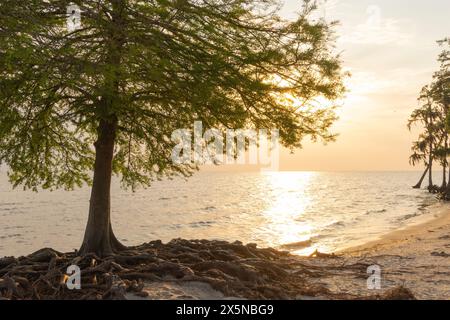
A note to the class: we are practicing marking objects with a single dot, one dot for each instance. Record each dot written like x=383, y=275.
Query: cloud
x=377, y=30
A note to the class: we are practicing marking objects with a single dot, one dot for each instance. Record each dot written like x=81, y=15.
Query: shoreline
x=417, y=257
x=441, y=219
x=414, y=263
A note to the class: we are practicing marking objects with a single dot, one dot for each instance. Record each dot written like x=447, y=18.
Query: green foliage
x=434, y=114
x=155, y=66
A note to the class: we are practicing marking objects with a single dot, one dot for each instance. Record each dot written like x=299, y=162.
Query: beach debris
x=317, y=254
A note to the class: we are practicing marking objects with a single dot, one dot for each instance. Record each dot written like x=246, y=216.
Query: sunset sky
x=390, y=49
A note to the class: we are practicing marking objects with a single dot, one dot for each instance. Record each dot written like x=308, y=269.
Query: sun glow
x=287, y=206
x=289, y=193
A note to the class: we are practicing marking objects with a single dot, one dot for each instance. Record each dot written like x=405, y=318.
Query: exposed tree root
x=232, y=268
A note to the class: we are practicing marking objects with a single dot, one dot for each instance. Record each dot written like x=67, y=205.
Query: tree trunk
x=445, y=195
x=419, y=184
x=445, y=164
x=430, y=170
x=444, y=177
x=446, y=192
x=448, y=184
x=99, y=237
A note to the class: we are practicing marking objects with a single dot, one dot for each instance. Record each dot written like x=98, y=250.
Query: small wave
x=11, y=236
x=14, y=204
x=14, y=227
x=424, y=206
x=209, y=208
x=297, y=245
x=334, y=225
x=369, y=212
x=403, y=195
x=8, y=209
x=201, y=224
x=318, y=237
x=408, y=217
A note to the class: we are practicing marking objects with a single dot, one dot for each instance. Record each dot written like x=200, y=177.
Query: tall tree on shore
x=434, y=116
x=424, y=149
x=419, y=156
x=107, y=96
x=440, y=89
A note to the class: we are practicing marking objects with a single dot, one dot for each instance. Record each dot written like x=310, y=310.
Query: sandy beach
x=417, y=258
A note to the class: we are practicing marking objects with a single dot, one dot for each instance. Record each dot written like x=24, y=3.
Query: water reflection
x=290, y=199
x=270, y=209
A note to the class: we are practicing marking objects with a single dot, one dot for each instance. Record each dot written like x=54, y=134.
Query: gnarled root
x=237, y=270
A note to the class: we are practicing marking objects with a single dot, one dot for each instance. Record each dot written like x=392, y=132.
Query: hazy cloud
x=377, y=30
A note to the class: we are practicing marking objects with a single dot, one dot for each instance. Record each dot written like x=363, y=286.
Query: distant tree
x=419, y=156
x=434, y=116
x=108, y=96
x=424, y=149
x=440, y=89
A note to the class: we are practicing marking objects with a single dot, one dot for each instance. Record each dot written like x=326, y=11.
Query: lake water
x=333, y=210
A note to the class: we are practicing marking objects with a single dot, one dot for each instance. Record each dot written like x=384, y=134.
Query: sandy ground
x=179, y=291
x=417, y=258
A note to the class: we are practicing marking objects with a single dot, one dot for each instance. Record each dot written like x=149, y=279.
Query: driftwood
x=237, y=270
x=317, y=254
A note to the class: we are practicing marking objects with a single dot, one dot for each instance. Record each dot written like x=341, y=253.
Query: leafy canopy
x=434, y=114
x=153, y=66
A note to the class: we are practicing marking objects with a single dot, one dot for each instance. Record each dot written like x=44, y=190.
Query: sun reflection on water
x=290, y=197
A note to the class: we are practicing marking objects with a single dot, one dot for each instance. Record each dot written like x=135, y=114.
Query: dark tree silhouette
x=433, y=115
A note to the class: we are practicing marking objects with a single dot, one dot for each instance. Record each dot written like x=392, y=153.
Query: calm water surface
x=333, y=210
